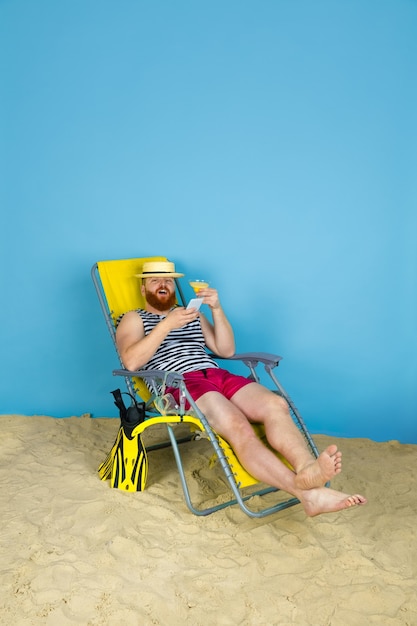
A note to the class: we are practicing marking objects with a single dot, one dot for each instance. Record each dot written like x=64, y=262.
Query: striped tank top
x=182, y=350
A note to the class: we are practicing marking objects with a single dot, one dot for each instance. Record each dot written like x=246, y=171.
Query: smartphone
x=195, y=303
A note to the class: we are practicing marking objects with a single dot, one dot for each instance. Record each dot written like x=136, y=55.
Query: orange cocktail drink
x=198, y=284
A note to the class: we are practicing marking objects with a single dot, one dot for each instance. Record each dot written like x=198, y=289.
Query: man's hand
x=180, y=317
x=210, y=296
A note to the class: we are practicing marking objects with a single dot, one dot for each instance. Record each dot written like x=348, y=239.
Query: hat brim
x=160, y=275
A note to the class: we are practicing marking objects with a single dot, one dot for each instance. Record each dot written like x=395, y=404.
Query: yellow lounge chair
x=126, y=464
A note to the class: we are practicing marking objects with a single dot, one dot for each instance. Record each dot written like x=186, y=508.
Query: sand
x=75, y=551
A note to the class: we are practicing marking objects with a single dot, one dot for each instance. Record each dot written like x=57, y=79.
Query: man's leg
x=260, y=405
x=232, y=424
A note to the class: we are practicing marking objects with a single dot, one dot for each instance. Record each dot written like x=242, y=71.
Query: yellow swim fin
x=130, y=463
x=127, y=463
x=104, y=469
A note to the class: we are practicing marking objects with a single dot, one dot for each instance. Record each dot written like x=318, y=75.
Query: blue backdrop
x=267, y=146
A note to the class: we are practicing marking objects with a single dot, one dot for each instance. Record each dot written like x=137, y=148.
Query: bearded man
x=165, y=336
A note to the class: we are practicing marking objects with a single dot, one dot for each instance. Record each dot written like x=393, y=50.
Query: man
x=165, y=336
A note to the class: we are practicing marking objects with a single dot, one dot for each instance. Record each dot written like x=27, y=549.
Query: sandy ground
x=75, y=551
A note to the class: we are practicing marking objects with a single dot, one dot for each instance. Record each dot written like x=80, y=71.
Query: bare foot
x=324, y=500
x=323, y=469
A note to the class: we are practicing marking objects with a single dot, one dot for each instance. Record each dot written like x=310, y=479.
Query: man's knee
x=282, y=404
x=236, y=428
x=273, y=403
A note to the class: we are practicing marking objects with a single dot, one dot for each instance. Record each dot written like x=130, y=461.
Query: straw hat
x=159, y=269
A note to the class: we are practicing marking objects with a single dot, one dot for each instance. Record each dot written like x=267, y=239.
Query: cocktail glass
x=198, y=284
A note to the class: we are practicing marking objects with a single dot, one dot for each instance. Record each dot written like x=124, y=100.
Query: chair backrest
x=119, y=291
x=121, y=287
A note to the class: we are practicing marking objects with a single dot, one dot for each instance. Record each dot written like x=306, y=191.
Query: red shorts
x=212, y=379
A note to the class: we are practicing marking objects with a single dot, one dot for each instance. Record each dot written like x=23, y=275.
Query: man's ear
x=142, y=289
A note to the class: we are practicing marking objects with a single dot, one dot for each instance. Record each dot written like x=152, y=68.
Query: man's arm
x=136, y=348
x=219, y=336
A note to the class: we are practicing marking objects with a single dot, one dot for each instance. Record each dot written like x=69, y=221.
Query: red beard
x=160, y=302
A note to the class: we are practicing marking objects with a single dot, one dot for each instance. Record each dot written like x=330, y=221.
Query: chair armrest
x=253, y=358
